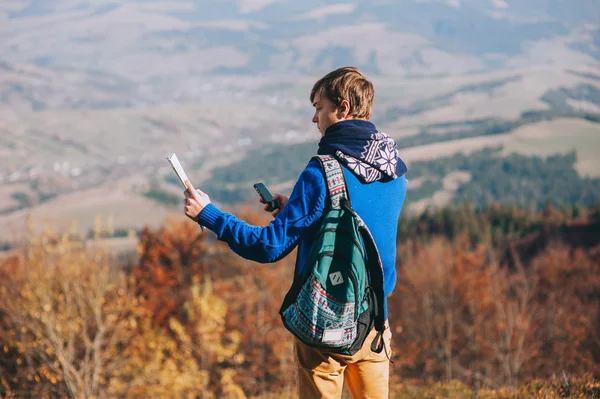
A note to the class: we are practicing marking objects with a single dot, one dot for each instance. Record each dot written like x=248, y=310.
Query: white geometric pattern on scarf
x=380, y=151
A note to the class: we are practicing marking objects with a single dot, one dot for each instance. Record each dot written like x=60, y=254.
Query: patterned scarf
x=369, y=154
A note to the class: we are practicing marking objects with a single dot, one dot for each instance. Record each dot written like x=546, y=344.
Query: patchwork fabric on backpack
x=338, y=298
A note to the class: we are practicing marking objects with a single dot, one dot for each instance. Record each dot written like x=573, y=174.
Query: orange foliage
x=192, y=319
x=71, y=326
x=168, y=259
x=463, y=315
x=172, y=256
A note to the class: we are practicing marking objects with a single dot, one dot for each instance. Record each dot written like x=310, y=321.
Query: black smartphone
x=266, y=196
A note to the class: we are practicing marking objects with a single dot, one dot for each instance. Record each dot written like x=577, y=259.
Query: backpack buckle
x=345, y=203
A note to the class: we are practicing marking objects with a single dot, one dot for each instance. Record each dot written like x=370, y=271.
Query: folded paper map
x=174, y=161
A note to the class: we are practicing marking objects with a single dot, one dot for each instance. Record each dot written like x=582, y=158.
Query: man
x=375, y=180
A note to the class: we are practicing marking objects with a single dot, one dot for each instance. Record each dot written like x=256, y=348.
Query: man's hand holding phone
x=273, y=203
x=280, y=199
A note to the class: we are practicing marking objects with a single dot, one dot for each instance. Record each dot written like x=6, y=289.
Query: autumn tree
x=461, y=314
x=71, y=325
x=65, y=317
x=253, y=293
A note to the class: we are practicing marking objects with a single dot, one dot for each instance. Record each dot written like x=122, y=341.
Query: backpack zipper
x=355, y=285
x=356, y=243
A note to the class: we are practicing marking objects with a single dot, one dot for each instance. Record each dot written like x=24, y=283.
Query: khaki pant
x=322, y=374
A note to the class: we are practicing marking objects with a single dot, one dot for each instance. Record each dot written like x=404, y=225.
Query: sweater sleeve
x=273, y=242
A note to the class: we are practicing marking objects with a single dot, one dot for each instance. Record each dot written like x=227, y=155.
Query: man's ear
x=344, y=109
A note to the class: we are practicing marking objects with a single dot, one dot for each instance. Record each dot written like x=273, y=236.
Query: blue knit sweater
x=378, y=204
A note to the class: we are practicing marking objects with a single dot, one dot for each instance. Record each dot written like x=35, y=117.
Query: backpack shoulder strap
x=335, y=180
x=376, y=280
x=375, y=268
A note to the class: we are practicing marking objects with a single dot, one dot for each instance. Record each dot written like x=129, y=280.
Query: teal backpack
x=338, y=297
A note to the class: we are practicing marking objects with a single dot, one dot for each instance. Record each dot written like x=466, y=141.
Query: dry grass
x=444, y=149
x=541, y=139
x=560, y=136
x=6, y=192
x=442, y=197
x=112, y=201
x=507, y=101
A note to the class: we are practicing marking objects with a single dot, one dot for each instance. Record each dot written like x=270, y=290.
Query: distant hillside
x=174, y=39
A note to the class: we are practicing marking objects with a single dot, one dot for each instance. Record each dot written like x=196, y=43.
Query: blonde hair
x=350, y=84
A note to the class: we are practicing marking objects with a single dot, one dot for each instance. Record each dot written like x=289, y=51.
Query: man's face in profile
x=326, y=113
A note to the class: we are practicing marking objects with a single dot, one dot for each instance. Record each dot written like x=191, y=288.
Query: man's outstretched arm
x=270, y=243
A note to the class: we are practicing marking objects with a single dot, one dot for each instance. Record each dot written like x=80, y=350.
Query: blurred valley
x=490, y=101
